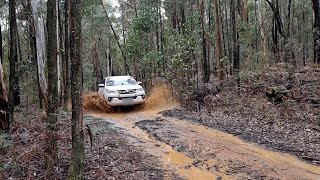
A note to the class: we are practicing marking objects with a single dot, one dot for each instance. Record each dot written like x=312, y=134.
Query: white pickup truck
x=122, y=91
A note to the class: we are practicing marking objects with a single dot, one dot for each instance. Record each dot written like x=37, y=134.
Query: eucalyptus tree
x=77, y=157
x=66, y=62
x=219, y=39
x=4, y=111
x=40, y=48
x=52, y=145
x=205, y=62
x=316, y=11
x=13, y=58
x=4, y=120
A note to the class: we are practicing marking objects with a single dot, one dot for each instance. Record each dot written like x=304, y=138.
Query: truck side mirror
x=101, y=85
x=139, y=83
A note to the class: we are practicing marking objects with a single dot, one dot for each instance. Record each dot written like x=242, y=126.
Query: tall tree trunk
x=263, y=37
x=235, y=41
x=222, y=30
x=243, y=11
x=126, y=67
x=61, y=37
x=13, y=57
x=174, y=15
x=4, y=111
x=67, y=52
x=288, y=48
x=227, y=36
x=277, y=27
x=205, y=63
x=16, y=80
x=97, y=71
x=58, y=54
x=304, y=37
x=41, y=48
x=77, y=157
x=33, y=47
x=316, y=26
x=219, y=42
x=1, y=45
x=107, y=57
x=52, y=146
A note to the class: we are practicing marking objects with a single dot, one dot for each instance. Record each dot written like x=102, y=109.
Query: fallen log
x=276, y=93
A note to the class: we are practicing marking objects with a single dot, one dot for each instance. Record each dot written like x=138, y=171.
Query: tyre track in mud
x=197, y=152
x=225, y=153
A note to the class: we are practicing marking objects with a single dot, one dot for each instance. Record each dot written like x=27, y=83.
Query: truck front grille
x=129, y=91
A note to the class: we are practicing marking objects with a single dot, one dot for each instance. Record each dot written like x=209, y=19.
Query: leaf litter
x=111, y=155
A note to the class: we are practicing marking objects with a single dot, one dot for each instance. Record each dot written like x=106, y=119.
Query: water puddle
x=186, y=169
x=228, y=148
x=233, y=148
x=177, y=159
x=171, y=158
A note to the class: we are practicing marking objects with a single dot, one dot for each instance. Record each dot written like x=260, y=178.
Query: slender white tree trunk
x=41, y=46
x=263, y=37
x=4, y=121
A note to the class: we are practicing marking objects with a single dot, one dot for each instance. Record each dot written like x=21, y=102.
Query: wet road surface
x=198, y=152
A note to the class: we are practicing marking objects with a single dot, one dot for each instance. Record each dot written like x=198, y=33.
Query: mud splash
x=160, y=97
x=93, y=101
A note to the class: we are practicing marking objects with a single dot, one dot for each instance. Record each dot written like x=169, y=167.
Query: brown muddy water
x=234, y=158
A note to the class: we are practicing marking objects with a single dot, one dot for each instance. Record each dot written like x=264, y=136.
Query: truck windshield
x=119, y=82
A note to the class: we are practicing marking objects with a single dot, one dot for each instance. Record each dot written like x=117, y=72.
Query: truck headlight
x=140, y=90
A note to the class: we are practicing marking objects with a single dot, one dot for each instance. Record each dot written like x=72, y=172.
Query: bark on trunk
x=205, y=63
x=235, y=42
x=316, y=26
x=277, y=27
x=67, y=53
x=13, y=57
x=41, y=48
x=58, y=47
x=235, y=38
x=77, y=158
x=17, y=75
x=1, y=45
x=52, y=146
x=263, y=37
x=33, y=47
x=219, y=40
x=4, y=119
x=97, y=71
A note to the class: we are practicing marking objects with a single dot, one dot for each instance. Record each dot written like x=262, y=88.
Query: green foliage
x=152, y=58
x=5, y=142
x=91, y=7
x=225, y=61
x=146, y=21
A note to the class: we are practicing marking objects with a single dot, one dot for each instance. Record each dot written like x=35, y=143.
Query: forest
x=232, y=89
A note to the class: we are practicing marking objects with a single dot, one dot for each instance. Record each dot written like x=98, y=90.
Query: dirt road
x=194, y=151
x=198, y=152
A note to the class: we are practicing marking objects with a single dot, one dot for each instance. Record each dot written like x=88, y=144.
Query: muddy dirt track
x=197, y=152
